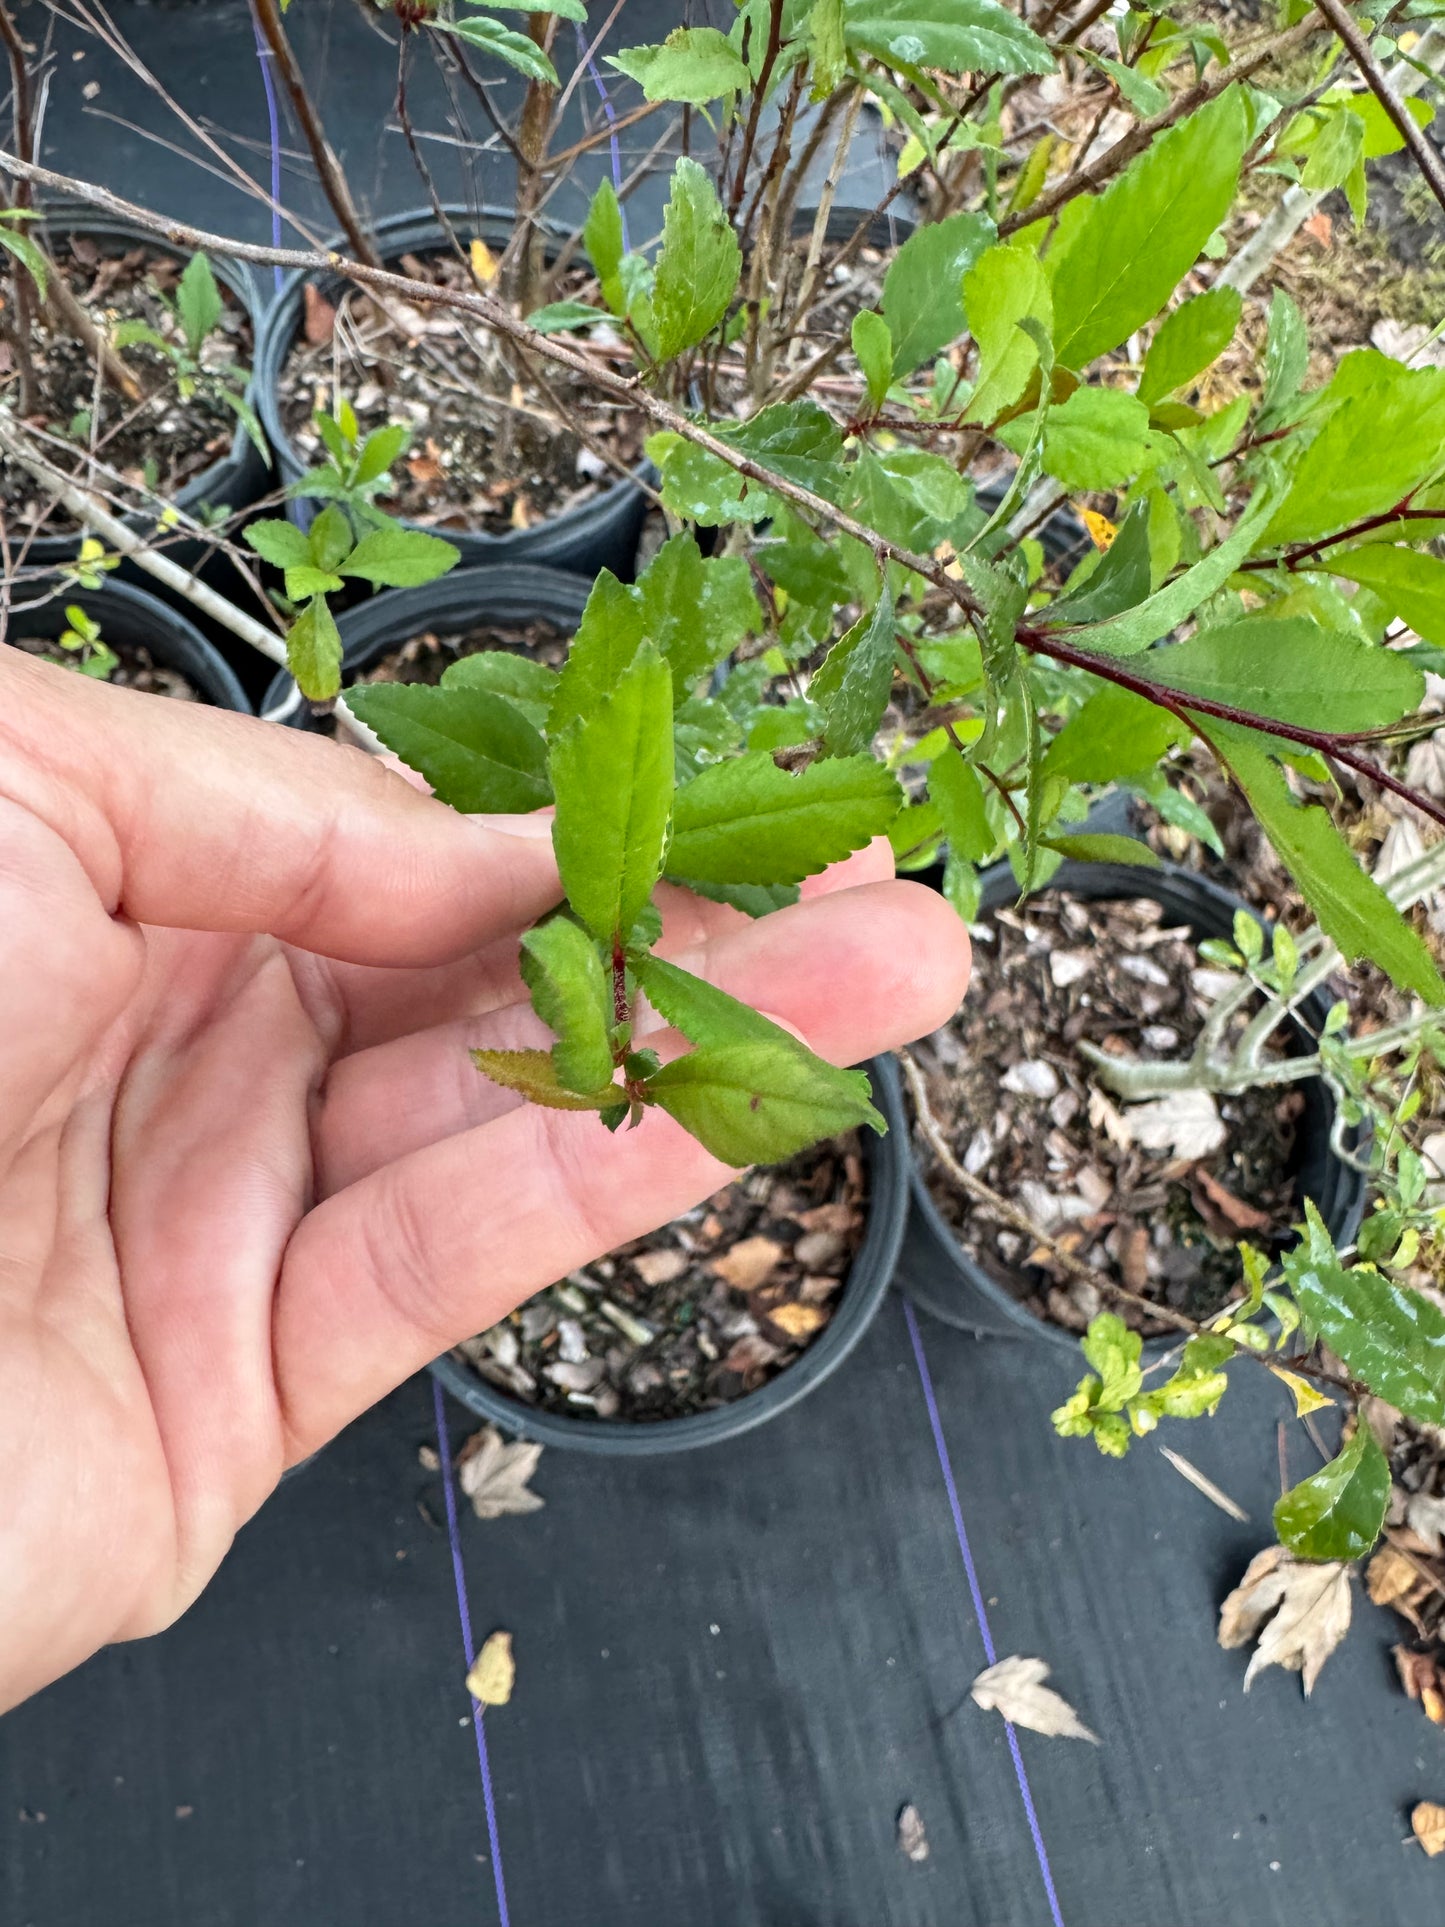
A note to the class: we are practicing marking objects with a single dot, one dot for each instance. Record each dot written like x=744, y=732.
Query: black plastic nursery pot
x=128, y=615
x=600, y=533
x=234, y=480
x=511, y=592
x=863, y=1292
x=940, y=1276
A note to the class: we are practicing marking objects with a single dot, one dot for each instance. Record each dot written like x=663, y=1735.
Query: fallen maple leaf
x=1015, y=1688
x=1298, y=1610
x=1186, y=1124
x=493, y=1671
x=1427, y=1822
x=494, y=1475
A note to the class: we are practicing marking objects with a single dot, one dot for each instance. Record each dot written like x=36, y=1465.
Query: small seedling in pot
x=196, y=308
x=83, y=646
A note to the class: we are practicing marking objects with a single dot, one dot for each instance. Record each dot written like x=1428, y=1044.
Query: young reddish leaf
x=533, y=1073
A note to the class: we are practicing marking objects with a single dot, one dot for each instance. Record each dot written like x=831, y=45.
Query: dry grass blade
x=1207, y=1486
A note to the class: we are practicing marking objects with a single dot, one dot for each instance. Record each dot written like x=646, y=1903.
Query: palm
x=246, y=1189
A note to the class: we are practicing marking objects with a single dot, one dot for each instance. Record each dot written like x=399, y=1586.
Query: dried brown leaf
x=912, y=1840
x=1244, y=1217
x=1390, y=1576
x=1015, y=1688
x=749, y=1264
x=1425, y=1515
x=1298, y=1610
x=495, y=1475
x=320, y=318
x=493, y=1672
x=1420, y=1677
x=1427, y=1823
x=798, y=1321
x=659, y=1267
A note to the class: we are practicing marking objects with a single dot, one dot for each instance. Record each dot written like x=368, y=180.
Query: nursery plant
x=853, y=630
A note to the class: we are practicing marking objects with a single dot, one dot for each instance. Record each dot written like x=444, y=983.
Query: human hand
x=249, y=1178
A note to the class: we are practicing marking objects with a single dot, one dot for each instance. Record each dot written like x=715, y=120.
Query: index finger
x=198, y=819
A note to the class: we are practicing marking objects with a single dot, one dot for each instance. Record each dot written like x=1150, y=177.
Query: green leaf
x=693, y=64
x=602, y=238
x=534, y=1074
x=695, y=610
x=1145, y=96
x=1114, y=1352
x=1103, y=849
x=753, y=899
x=1350, y=907
x=1337, y=149
x=1410, y=582
x=759, y=1102
x=557, y=317
x=799, y=439
x=380, y=449
x=828, y=47
x=564, y=9
x=1290, y=668
x=1382, y=435
x=956, y=36
x=304, y=581
x=1115, y=734
x=703, y=1013
x=1197, y=1386
x=698, y=266
x=1005, y=285
x=572, y=994
x=923, y=288
x=954, y=786
x=747, y=821
x=1188, y=340
x=1389, y=1337
x=198, y=302
x=853, y=682
x=527, y=685
x=400, y=558
x=1128, y=634
x=607, y=639
x=476, y=750
x=26, y=253
x=612, y=774
x=1118, y=262
x=281, y=544
x=1120, y=580
x=518, y=50
x=1339, y=1513
x=329, y=539
x=1286, y=353
x=1098, y=438
x=873, y=347
x=313, y=652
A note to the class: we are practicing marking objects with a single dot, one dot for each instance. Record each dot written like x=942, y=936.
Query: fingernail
x=535, y=825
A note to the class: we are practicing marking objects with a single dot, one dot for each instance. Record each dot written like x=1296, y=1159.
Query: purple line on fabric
x=454, y=1538
x=263, y=60
x=980, y=1613
x=610, y=111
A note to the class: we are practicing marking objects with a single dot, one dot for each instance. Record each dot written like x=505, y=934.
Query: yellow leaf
x=493, y=1671
x=1428, y=1823
x=484, y=263
x=1306, y=1398
x=798, y=1321
x=1101, y=530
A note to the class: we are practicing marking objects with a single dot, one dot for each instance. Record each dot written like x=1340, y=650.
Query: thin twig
x=1421, y=150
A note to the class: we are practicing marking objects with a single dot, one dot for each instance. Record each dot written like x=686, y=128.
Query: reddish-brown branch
x=1422, y=151
x=765, y=74
x=328, y=167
